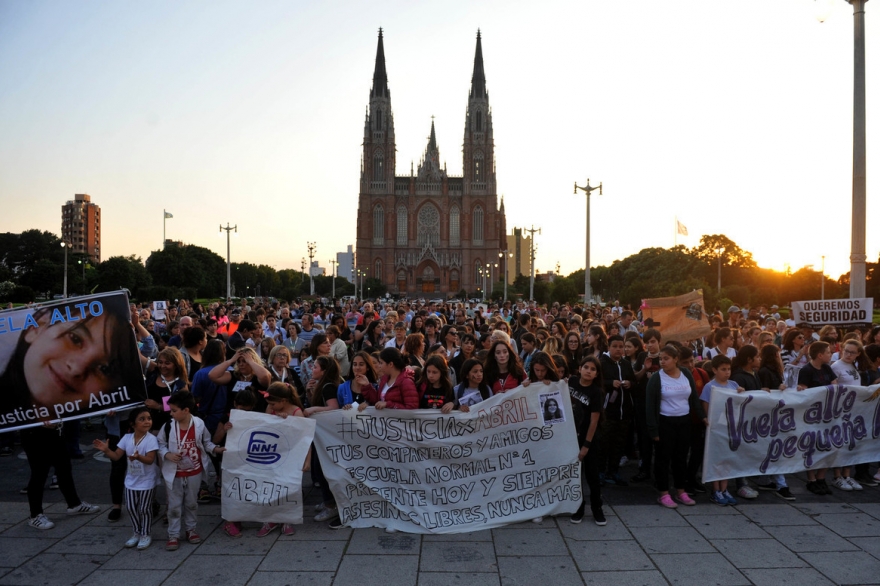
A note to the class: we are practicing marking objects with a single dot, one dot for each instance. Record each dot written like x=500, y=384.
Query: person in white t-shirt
x=723, y=345
x=140, y=447
x=852, y=359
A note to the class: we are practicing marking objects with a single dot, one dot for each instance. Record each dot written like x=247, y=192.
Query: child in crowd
x=721, y=364
x=671, y=400
x=246, y=401
x=472, y=389
x=698, y=430
x=586, y=404
x=619, y=382
x=649, y=364
x=141, y=475
x=435, y=386
x=183, y=444
x=817, y=373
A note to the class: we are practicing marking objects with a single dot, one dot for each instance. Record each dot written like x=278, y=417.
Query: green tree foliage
x=732, y=255
x=188, y=266
x=126, y=272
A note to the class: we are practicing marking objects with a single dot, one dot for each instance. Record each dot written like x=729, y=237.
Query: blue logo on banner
x=261, y=448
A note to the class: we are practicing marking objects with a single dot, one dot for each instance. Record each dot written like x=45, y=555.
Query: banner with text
x=783, y=432
x=262, y=467
x=68, y=360
x=834, y=312
x=512, y=458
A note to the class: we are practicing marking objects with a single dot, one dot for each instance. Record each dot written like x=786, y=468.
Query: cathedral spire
x=380, y=77
x=478, y=80
x=432, y=141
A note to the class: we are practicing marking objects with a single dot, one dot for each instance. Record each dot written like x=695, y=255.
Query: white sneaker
x=853, y=484
x=327, y=514
x=83, y=508
x=133, y=540
x=538, y=520
x=747, y=492
x=319, y=507
x=623, y=461
x=41, y=522
x=145, y=542
x=390, y=530
x=841, y=483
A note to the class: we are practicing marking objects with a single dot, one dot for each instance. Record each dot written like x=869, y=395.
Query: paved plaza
x=815, y=540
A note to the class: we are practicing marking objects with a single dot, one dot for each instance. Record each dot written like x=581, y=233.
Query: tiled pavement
x=767, y=541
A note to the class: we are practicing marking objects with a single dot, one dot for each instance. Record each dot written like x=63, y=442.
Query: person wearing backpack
x=184, y=444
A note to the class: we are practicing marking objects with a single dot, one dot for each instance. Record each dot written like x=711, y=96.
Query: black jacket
x=618, y=402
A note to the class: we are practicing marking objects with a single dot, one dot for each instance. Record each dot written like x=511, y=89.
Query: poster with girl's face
x=68, y=360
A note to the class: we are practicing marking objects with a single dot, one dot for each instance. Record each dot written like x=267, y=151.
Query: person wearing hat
x=733, y=315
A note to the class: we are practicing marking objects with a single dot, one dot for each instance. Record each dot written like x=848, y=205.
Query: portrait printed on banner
x=551, y=408
x=67, y=360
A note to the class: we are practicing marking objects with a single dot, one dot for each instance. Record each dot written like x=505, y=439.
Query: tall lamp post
x=506, y=256
x=83, y=263
x=857, y=257
x=334, y=263
x=312, y=248
x=228, y=229
x=823, y=277
x=720, y=251
x=64, y=246
x=588, y=190
x=303, y=273
x=532, y=260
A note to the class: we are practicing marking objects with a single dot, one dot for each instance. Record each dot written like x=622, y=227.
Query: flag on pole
x=681, y=228
x=168, y=215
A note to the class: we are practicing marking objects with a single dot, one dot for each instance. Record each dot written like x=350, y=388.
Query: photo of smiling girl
x=67, y=361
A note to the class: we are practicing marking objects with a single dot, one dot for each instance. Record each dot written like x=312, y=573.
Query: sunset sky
x=734, y=116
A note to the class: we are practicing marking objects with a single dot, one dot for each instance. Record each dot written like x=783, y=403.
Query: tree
x=733, y=255
x=188, y=266
x=564, y=290
x=126, y=272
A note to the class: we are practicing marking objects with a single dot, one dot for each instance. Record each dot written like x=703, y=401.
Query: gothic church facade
x=429, y=233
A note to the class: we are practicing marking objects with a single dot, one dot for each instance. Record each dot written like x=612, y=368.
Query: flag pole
x=675, y=230
x=164, y=219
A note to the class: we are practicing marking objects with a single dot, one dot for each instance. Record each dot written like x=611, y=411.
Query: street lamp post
x=228, y=229
x=83, y=263
x=823, y=277
x=858, y=258
x=532, y=261
x=312, y=248
x=504, y=254
x=720, y=252
x=334, y=263
x=64, y=246
x=303, y=273
x=588, y=190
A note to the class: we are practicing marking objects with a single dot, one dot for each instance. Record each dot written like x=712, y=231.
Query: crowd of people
x=634, y=395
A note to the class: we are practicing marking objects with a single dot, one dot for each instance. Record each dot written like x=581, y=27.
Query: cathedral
x=429, y=233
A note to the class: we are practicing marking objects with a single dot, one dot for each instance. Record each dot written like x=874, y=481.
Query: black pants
x=645, y=442
x=117, y=472
x=318, y=474
x=590, y=473
x=698, y=446
x=45, y=449
x=672, y=450
x=612, y=446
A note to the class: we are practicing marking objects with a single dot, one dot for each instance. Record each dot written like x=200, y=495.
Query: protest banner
x=783, y=432
x=262, y=467
x=512, y=458
x=68, y=360
x=834, y=312
x=679, y=318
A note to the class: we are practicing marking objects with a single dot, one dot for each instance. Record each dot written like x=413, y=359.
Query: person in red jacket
x=396, y=389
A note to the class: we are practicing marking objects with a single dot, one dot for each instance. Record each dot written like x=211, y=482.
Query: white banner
x=758, y=433
x=835, y=312
x=262, y=467
x=509, y=460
